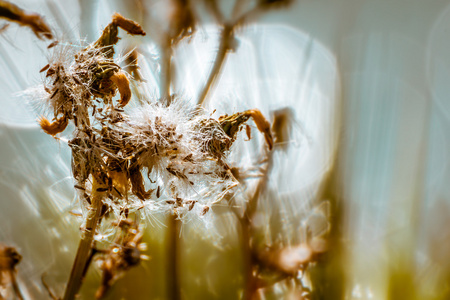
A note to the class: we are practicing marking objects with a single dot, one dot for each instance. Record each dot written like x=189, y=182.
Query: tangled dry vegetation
x=181, y=151
x=164, y=155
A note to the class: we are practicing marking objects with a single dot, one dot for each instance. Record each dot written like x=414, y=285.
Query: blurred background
x=364, y=87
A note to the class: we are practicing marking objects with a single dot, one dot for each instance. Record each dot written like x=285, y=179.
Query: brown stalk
x=181, y=25
x=173, y=258
x=85, y=246
x=238, y=6
x=16, y=286
x=213, y=7
x=226, y=43
x=166, y=66
x=250, y=280
x=251, y=284
x=227, y=37
x=254, y=260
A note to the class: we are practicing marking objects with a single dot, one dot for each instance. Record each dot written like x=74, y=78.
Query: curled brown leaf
x=128, y=25
x=32, y=20
x=123, y=85
x=55, y=127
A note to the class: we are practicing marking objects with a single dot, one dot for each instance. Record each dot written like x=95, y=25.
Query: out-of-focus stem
x=215, y=11
x=226, y=41
x=16, y=286
x=224, y=47
x=85, y=245
x=172, y=240
x=88, y=28
x=251, y=281
x=166, y=65
x=173, y=259
x=238, y=5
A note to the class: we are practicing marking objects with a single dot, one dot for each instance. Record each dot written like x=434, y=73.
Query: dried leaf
x=32, y=20
x=55, y=127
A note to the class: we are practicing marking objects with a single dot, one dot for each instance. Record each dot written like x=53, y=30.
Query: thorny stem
x=85, y=246
x=227, y=38
x=173, y=278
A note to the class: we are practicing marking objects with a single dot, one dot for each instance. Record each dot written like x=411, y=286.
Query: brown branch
x=226, y=43
x=47, y=287
x=16, y=286
x=85, y=246
x=238, y=5
x=166, y=74
x=173, y=258
x=213, y=7
x=252, y=283
x=249, y=263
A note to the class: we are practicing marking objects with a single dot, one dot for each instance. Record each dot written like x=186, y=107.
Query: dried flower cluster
x=163, y=157
x=121, y=255
x=182, y=146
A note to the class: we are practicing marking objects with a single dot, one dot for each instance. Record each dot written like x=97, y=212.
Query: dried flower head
x=123, y=254
x=155, y=157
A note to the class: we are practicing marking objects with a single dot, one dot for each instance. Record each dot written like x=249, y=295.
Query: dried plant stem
x=173, y=240
x=215, y=11
x=227, y=41
x=250, y=259
x=225, y=45
x=173, y=224
x=166, y=74
x=16, y=286
x=238, y=5
x=250, y=280
x=245, y=221
x=83, y=255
